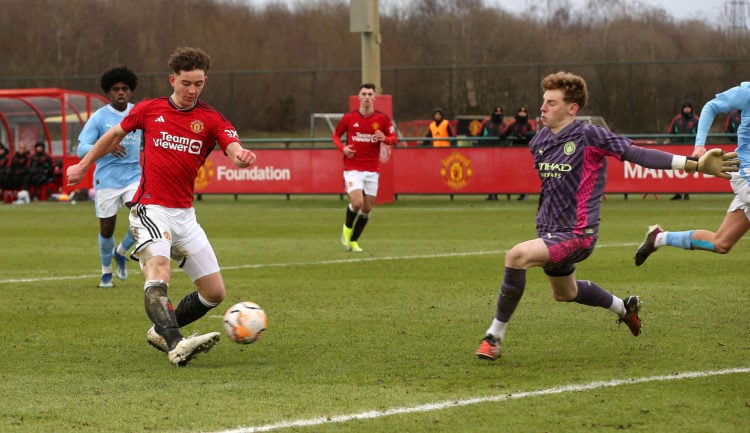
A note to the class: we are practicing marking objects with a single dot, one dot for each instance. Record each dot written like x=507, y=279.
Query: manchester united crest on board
x=456, y=170
x=205, y=174
x=475, y=127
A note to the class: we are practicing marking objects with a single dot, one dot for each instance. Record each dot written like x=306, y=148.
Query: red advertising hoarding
x=454, y=170
x=276, y=171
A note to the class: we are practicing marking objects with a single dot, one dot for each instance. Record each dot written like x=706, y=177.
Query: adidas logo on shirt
x=159, y=119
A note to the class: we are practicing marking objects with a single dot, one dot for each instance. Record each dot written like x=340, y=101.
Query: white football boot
x=156, y=340
x=190, y=346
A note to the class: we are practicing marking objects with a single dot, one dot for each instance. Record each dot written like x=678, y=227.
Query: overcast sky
x=679, y=9
x=709, y=10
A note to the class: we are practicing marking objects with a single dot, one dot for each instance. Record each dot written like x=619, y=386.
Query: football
x=245, y=322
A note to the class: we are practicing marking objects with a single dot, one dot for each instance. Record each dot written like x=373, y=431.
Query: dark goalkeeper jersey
x=572, y=166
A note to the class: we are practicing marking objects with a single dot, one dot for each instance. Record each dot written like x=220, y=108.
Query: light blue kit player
x=737, y=219
x=117, y=174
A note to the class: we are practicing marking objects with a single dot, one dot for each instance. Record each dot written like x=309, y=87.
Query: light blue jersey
x=112, y=172
x=736, y=98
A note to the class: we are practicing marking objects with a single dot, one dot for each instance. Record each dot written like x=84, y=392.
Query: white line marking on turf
x=276, y=265
x=313, y=263
x=478, y=400
x=373, y=259
x=55, y=278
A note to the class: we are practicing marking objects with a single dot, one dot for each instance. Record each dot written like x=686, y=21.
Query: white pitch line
x=290, y=264
x=478, y=400
x=55, y=278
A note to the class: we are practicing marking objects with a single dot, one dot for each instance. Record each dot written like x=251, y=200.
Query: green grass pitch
x=384, y=340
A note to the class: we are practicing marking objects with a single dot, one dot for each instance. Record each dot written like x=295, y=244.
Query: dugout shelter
x=51, y=115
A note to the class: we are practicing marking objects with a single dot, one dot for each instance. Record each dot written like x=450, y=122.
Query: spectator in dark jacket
x=19, y=168
x=521, y=131
x=684, y=123
x=40, y=166
x=494, y=126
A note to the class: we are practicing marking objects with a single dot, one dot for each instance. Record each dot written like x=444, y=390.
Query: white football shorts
x=175, y=233
x=367, y=181
x=741, y=195
x=109, y=200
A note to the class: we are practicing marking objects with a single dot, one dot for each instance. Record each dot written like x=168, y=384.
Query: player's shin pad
x=717, y=163
x=159, y=308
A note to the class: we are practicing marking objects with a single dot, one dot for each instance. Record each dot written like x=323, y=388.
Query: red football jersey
x=360, y=132
x=176, y=144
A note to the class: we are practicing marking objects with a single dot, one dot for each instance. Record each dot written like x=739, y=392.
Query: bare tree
x=274, y=65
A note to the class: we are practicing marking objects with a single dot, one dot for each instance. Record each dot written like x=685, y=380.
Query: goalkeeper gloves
x=714, y=162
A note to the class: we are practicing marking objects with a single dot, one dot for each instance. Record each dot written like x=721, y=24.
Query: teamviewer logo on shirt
x=180, y=144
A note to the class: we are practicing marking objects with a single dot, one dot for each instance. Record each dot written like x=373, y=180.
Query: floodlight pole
x=365, y=19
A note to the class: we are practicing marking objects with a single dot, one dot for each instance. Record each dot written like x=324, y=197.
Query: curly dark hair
x=120, y=74
x=189, y=59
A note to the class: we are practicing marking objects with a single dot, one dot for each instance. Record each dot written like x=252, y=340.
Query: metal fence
x=634, y=97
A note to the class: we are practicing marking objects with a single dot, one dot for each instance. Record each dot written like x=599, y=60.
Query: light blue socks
x=685, y=241
x=106, y=245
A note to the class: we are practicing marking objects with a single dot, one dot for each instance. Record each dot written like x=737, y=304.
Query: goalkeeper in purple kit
x=571, y=160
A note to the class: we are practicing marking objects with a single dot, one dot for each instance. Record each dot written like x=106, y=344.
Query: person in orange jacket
x=440, y=127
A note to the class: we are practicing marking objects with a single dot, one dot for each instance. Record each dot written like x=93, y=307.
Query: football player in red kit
x=179, y=133
x=366, y=129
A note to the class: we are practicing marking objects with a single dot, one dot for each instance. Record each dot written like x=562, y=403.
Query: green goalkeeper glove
x=714, y=162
